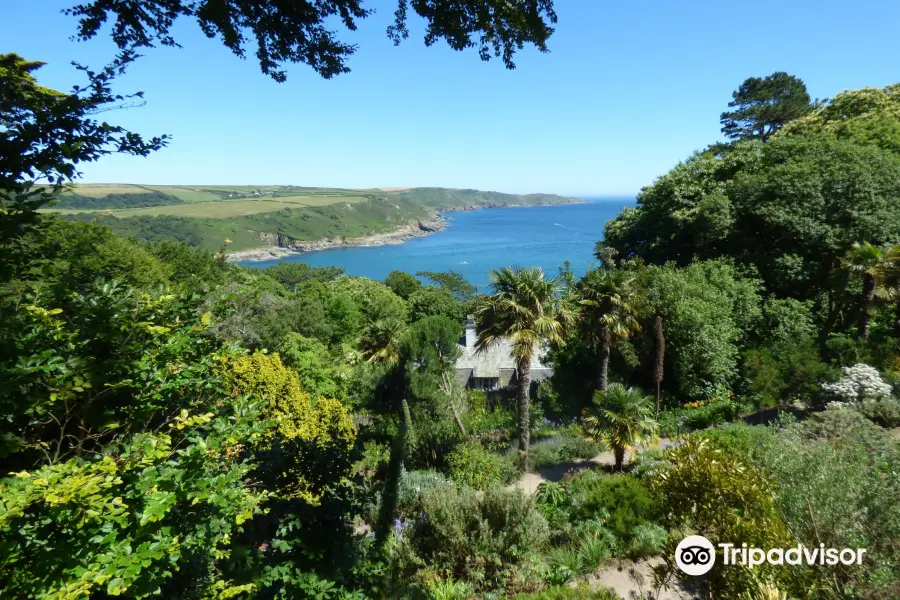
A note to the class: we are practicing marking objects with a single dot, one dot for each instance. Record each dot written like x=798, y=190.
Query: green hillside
x=252, y=216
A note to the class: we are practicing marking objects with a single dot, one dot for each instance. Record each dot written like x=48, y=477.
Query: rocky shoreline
x=288, y=247
x=279, y=246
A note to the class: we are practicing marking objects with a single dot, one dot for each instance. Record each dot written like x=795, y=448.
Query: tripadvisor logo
x=696, y=555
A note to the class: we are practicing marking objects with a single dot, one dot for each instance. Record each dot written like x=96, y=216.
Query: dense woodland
x=175, y=426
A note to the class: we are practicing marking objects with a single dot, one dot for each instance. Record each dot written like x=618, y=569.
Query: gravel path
x=531, y=480
x=629, y=579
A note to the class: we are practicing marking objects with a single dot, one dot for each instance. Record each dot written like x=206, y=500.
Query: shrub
x=413, y=484
x=564, y=592
x=739, y=439
x=647, y=539
x=471, y=464
x=858, y=383
x=450, y=590
x=622, y=498
x=837, y=477
x=594, y=550
x=885, y=411
x=472, y=538
x=566, y=564
x=567, y=448
x=714, y=413
x=721, y=497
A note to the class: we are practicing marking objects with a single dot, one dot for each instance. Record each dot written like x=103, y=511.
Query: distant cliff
x=267, y=221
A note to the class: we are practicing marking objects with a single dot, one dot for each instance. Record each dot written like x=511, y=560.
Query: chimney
x=470, y=331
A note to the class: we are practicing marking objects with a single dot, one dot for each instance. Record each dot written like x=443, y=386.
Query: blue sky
x=628, y=90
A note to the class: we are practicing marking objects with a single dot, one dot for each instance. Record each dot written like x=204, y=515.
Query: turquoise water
x=477, y=241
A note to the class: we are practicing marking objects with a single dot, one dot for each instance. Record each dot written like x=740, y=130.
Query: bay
x=477, y=241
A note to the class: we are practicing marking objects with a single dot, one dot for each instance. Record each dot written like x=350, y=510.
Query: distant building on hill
x=494, y=368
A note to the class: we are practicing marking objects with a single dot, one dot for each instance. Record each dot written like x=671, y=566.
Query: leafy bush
x=563, y=449
x=707, y=491
x=623, y=499
x=413, y=484
x=739, y=439
x=647, y=539
x=564, y=592
x=471, y=464
x=785, y=371
x=691, y=418
x=837, y=481
x=859, y=382
x=594, y=550
x=480, y=538
x=885, y=411
x=450, y=590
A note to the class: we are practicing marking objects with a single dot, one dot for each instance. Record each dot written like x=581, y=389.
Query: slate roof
x=488, y=364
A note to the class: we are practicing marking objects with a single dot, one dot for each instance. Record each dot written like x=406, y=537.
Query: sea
x=477, y=241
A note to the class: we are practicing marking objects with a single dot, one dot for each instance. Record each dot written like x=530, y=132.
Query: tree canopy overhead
x=299, y=31
x=764, y=105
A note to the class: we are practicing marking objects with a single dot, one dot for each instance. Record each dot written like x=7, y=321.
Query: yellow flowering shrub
x=311, y=439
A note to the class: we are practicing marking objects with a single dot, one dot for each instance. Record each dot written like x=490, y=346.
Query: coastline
x=284, y=247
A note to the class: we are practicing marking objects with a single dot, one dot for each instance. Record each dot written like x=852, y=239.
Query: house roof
x=496, y=357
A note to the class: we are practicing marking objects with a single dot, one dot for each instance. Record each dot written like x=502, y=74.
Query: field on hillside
x=219, y=209
x=205, y=215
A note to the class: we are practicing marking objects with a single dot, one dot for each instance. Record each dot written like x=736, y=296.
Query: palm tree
x=866, y=261
x=379, y=341
x=606, y=315
x=621, y=418
x=888, y=277
x=523, y=308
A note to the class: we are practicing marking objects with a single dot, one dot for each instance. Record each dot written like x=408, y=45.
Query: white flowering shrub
x=859, y=382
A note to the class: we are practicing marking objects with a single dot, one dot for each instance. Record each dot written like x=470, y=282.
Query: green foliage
x=451, y=282
x=413, y=485
x=138, y=200
x=785, y=372
x=432, y=301
x=429, y=350
x=294, y=275
x=764, y=106
x=622, y=501
x=739, y=440
x=113, y=362
x=312, y=439
x=885, y=411
x=375, y=300
x=450, y=590
x=402, y=284
x=565, y=449
x=287, y=36
x=836, y=481
x=791, y=208
x=708, y=309
x=621, y=418
x=154, y=515
x=606, y=313
x=47, y=134
x=581, y=592
x=470, y=464
x=869, y=116
x=345, y=318
x=473, y=537
x=647, y=539
x=191, y=266
x=523, y=309
x=706, y=491
x=309, y=357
